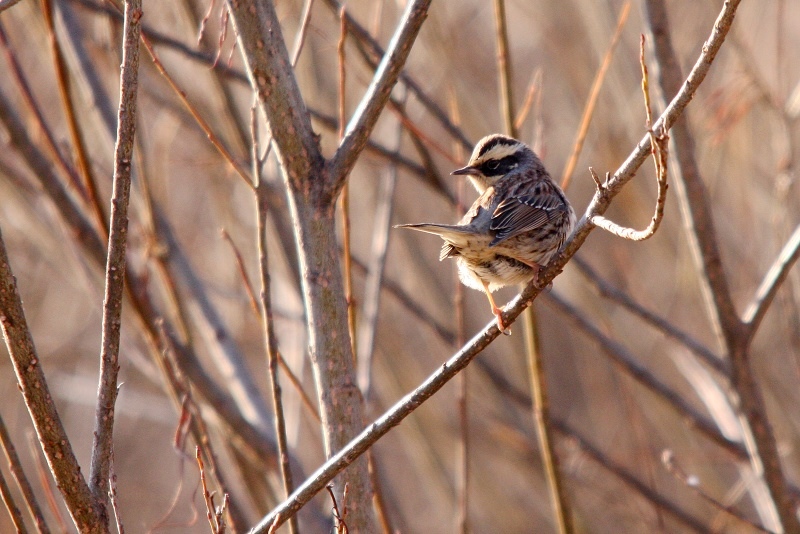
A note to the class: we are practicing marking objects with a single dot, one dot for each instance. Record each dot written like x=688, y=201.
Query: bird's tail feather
x=438, y=229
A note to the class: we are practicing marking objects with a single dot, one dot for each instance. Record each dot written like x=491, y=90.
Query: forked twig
x=659, y=147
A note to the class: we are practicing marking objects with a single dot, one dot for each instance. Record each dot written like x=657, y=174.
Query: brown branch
x=736, y=335
x=372, y=52
x=268, y=327
x=377, y=95
x=607, y=290
x=81, y=153
x=672, y=466
x=505, y=76
x=5, y=4
x=35, y=108
x=30, y=377
x=591, y=101
x=24, y=484
x=11, y=506
x=116, y=265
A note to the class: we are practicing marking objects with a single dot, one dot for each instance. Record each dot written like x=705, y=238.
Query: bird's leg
x=498, y=312
x=536, y=269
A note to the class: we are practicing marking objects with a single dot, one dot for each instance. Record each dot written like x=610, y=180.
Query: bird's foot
x=498, y=312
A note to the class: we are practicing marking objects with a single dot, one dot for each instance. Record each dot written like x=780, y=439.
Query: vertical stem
x=348, y=271
x=115, y=264
x=541, y=414
x=271, y=341
x=538, y=388
x=504, y=66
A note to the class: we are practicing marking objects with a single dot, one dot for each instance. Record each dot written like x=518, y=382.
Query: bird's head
x=495, y=156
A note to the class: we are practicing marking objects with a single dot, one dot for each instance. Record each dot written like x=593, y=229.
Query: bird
x=521, y=219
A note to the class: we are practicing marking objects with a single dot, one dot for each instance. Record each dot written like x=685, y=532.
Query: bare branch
x=5, y=4
x=270, y=71
x=775, y=276
x=692, y=194
x=24, y=484
x=370, y=107
x=658, y=144
x=116, y=264
x=49, y=428
x=591, y=101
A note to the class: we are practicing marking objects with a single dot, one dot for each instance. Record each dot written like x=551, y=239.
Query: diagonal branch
x=377, y=95
x=49, y=428
x=772, y=281
x=115, y=265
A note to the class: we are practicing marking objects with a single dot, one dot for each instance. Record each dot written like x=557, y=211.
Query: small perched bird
x=519, y=221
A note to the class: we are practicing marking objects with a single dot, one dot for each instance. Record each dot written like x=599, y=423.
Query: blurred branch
x=607, y=290
x=629, y=478
x=267, y=323
x=33, y=106
x=15, y=467
x=373, y=52
x=5, y=4
x=591, y=101
x=81, y=155
x=11, y=506
x=775, y=276
x=690, y=481
x=30, y=378
x=504, y=68
x=102, y=441
x=375, y=270
x=692, y=194
x=369, y=109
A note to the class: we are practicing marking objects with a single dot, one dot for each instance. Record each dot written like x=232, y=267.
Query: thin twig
x=373, y=102
x=345, y=199
x=534, y=88
x=30, y=378
x=690, y=481
x=591, y=101
x=23, y=483
x=11, y=506
x=775, y=276
x=81, y=155
x=268, y=328
x=116, y=265
x=658, y=144
x=505, y=77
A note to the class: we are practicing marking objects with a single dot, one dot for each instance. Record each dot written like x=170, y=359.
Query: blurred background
x=612, y=428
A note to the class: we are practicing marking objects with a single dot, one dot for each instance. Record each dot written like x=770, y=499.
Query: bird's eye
x=493, y=165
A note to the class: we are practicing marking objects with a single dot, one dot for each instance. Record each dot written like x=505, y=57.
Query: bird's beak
x=468, y=170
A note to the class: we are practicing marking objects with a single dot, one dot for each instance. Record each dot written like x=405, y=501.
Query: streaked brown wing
x=521, y=214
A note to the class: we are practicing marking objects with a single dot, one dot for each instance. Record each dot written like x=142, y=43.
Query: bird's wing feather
x=520, y=214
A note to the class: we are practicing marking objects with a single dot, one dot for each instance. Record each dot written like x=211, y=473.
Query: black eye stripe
x=499, y=166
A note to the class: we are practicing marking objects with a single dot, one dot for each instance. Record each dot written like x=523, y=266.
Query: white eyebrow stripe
x=500, y=151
